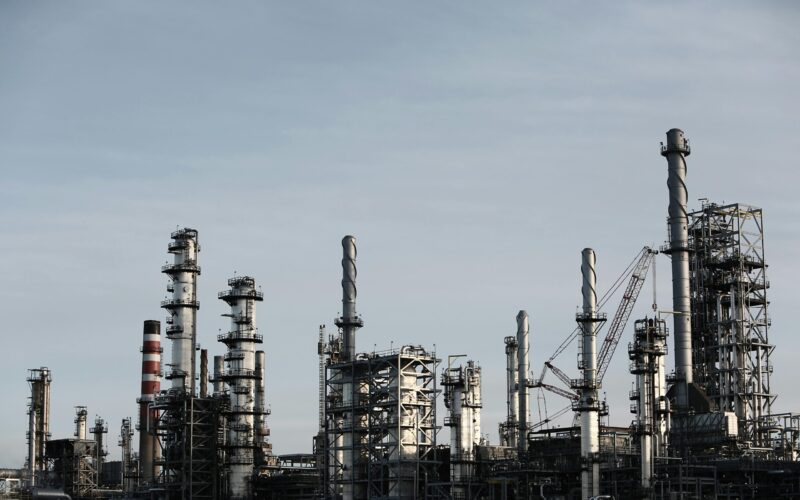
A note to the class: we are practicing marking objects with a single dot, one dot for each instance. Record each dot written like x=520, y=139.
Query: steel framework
x=392, y=418
x=730, y=341
x=191, y=433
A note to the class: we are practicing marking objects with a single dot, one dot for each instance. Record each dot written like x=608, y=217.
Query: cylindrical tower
x=182, y=307
x=241, y=377
x=219, y=368
x=262, y=431
x=203, y=373
x=349, y=323
x=523, y=366
x=128, y=467
x=39, y=380
x=462, y=391
x=512, y=393
x=588, y=405
x=80, y=422
x=97, y=431
x=676, y=151
x=149, y=450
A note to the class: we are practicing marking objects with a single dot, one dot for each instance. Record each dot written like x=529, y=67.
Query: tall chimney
x=149, y=450
x=589, y=405
x=675, y=151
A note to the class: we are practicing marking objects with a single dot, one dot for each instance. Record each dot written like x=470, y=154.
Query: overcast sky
x=473, y=148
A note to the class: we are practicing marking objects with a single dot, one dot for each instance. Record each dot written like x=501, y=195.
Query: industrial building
x=707, y=430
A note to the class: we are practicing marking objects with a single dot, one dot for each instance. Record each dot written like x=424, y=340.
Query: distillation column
x=349, y=323
x=39, y=380
x=128, y=467
x=588, y=404
x=262, y=431
x=508, y=430
x=182, y=308
x=462, y=392
x=219, y=369
x=523, y=367
x=98, y=430
x=241, y=378
x=80, y=422
x=647, y=364
x=149, y=450
x=675, y=151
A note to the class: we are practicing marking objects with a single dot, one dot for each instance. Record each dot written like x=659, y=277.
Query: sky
x=472, y=148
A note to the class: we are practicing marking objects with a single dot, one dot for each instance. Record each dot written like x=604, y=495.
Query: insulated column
x=182, y=308
x=241, y=377
x=675, y=151
x=149, y=450
x=523, y=365
x=512, y=393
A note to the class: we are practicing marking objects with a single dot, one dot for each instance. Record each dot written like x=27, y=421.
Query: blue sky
x=473, y=150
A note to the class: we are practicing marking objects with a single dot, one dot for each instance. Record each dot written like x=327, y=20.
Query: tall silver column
x=523, y=367
x=675, y=151
x=589, y=406
x=349, y=324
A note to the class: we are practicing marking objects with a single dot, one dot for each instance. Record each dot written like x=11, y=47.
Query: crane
x=637, y=271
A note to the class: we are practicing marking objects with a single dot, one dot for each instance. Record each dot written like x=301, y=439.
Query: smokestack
x=523, y=364
x=149, y=451
x=675, y=151
x=219, y=367
x=349, y=324
x=589, y=405
x=349, y=321
x=203, y=373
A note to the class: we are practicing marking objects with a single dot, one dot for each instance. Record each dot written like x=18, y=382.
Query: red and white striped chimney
x=149, y=451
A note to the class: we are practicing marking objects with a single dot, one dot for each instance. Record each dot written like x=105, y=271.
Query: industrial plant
x=405, y=422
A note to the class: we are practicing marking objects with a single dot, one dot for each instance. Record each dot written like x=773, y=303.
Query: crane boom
x=624, y=310
x=558, y=373
x=557, y=390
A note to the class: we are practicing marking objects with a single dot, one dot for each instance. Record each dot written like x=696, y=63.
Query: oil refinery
x=404, y=423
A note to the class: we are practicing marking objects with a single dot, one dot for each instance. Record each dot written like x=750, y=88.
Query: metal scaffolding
x=191, y=432
x=394, y=434
x=730, y=344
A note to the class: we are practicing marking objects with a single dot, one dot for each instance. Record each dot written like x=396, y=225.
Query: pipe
x=203, y=373
x=523, y=365
x=149, y=450
x=261, y=401
x=675, y=151
x=589, y=407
